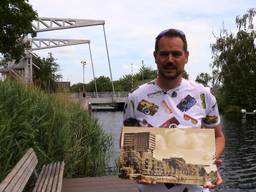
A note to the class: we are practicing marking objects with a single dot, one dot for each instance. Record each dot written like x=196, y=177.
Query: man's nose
x=170, y=57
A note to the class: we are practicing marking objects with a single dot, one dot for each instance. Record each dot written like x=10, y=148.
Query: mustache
x=170, y=65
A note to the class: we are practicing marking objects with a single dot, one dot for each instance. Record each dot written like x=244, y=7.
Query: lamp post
x=132, y=75
x=83, y=63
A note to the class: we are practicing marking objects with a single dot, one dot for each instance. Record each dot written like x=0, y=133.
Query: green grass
x=56, y=129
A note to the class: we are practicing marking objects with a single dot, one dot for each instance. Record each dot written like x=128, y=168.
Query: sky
x=131, y=27
x=193, y=145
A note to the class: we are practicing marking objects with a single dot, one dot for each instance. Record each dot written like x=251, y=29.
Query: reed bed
x=56, y=129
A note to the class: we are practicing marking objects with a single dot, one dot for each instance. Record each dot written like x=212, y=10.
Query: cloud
x=192, y=141
x=192, y=146
x=132, y=25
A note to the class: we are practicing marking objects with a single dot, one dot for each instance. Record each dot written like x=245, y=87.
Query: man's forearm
x=220, y=141
x=220, y=145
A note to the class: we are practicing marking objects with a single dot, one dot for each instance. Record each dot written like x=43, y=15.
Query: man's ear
x=155, y=54
x=187, y=55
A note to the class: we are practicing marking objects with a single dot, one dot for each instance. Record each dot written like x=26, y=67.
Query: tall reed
x=54, y=128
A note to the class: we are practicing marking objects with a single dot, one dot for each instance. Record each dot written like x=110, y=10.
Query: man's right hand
x=145, y=181
x=218, y=182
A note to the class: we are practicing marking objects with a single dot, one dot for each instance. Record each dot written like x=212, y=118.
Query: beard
x=169, y=66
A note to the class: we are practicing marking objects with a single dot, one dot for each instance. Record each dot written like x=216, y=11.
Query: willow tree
x=234, y=62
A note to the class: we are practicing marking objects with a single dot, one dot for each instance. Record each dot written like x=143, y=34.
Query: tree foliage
x=78, y=87
x=45, y=74
x=204, y=78
x=16, y=18
x=185, y=75
x=145, y=73
x=125, y=83
x=234, y=62
x=103, y=84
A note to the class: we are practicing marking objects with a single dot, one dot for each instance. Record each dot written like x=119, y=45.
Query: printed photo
x=168, y=155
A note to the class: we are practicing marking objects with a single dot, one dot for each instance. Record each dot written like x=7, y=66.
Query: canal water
x=239, y=160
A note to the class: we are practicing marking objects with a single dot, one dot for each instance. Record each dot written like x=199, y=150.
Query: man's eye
x=170, y=53
x=176, y=53
x=164, y=53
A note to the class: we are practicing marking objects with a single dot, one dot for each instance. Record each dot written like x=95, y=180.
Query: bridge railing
x=107, y=94
x=103, y=98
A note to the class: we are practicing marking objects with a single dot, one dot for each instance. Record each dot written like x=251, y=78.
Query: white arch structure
x=45, y=43
x=50, y=24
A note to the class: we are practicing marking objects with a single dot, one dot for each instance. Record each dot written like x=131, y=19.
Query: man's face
x=170, y=58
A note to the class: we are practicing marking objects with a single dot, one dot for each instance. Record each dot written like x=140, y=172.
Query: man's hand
x=218, y=162
x=146, y=181
x=217, y=182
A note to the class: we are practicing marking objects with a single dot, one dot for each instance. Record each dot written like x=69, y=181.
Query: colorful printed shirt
x=190, y=105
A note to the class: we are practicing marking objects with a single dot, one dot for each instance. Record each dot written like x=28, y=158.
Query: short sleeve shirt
x=190, y=105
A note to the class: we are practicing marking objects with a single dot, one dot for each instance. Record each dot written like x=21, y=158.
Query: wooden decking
x=99, y=184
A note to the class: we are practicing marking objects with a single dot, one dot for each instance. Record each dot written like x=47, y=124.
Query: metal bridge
x=24, y=70
x=104, y=101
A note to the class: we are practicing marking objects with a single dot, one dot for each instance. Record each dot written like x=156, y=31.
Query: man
x=173, y=102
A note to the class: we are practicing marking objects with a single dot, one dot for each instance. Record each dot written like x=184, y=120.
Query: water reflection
x=112, y=123
x=239, y=165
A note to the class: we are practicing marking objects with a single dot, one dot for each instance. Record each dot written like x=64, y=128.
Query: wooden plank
x=50, y=178
x=99, y=184
x=14, y=182
x=20, y=185
x=56, y=177
x=53, y=172
x=47, y=177
x=40, y=180
x=14, y=171
x=60, y=179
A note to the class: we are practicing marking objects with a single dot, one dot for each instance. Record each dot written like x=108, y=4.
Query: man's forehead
x=166, y=38
x=170, y=42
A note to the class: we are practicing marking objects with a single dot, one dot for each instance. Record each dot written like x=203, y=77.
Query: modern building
x=140, y=142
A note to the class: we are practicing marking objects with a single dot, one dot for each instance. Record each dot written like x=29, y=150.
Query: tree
x=103, y=84
x=204, y=78
x=145, y=73
x=78, y=87
x=16, y=18
x=185, y=75
x=234, y=57
x=125, y=83
x=45, y=76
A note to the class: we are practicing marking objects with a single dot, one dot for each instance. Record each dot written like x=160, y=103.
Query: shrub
x=56, y=129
